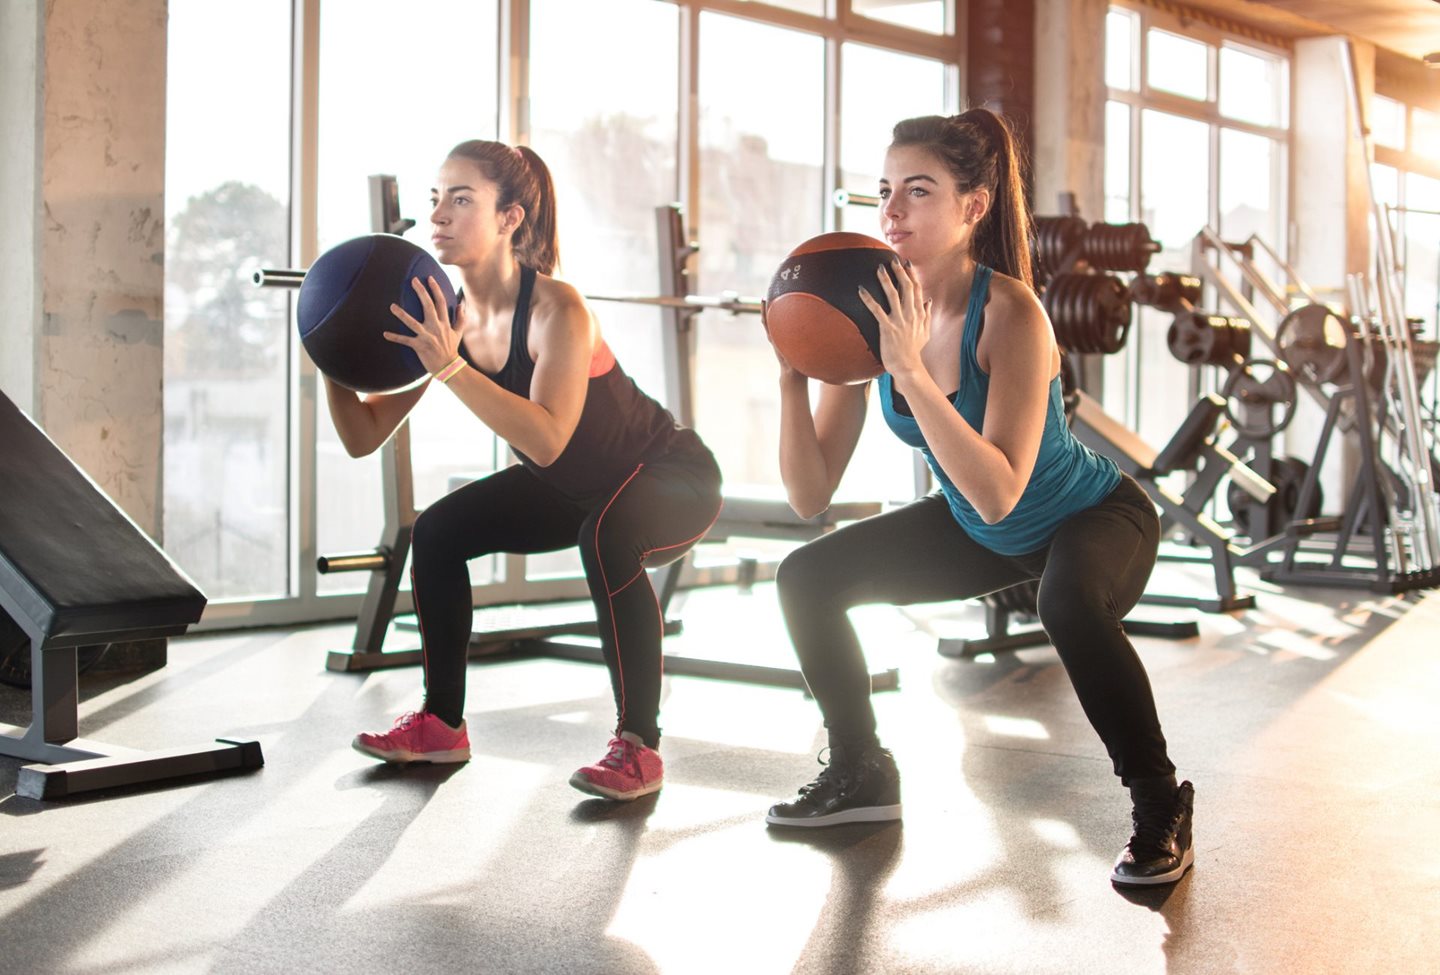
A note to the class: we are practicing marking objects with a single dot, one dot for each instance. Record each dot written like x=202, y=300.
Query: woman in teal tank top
x=971, y=380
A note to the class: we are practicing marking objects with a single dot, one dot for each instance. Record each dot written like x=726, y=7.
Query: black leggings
x=653, y=518
x=1091, y=574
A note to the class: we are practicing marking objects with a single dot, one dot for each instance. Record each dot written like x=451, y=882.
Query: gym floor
x=1308, y=726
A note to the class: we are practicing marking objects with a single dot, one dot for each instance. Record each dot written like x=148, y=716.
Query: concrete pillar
x=1069, y=116
x=1069, y=123
x=1331, y=202
x=84, y=100
x=21, y=63
x=82, y=261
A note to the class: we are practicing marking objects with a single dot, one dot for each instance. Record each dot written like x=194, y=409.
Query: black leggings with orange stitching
x=653, y=518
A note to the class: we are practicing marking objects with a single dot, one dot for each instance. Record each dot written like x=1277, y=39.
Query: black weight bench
x=76, y=571
x=1192, y=448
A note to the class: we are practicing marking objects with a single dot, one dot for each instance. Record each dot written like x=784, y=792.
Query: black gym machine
x=1361, y=362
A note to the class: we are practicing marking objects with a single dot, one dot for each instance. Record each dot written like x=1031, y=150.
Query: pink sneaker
x=628, y=771
x=418, y=736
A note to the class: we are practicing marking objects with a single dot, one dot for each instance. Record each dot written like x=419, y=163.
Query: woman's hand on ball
x=787, y=371
x=435, y=340
x=905, y=328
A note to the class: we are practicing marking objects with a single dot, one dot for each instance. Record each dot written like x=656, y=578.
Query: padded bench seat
x=75, y=570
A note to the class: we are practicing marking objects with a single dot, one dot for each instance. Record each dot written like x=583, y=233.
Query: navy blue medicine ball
x=344, y=307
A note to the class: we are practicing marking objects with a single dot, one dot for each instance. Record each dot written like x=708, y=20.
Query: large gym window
x=612, y=147
x=1387, y=123
x=313, y=104
x=926, y=15
x=1252, y=86
x=867, y=117
x=1406, y=177
x=1421, y=234
x=1174, y=203
x=227, y=511
x=1178, y=65
x=1196, y=137
x=762, y=185
x=369, y=124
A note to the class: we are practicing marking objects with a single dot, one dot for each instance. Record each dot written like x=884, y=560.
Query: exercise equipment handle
x=278, y=277
x=847, y=198
x=375, y=560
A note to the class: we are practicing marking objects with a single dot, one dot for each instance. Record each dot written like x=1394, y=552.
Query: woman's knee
x=1075, y=608
x=432, y=536
x=426, y=531
x=804, y=571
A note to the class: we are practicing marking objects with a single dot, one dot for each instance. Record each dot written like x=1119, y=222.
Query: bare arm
x=815, y=448
x=365, y=422
x=991, y=468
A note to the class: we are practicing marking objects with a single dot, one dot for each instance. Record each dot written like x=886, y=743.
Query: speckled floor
x=1308, y=726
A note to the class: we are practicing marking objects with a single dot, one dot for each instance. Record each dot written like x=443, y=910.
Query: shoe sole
x=867, y=814
x=1186, y=862
x=405, y=757
x=590, y=788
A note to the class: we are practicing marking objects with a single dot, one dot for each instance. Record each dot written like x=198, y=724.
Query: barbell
x=733, y=303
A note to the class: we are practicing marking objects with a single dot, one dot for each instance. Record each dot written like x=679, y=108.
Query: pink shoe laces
x=623, y=756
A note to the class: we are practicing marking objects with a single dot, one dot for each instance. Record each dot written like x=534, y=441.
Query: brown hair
x=979, y=150
x=523, y=180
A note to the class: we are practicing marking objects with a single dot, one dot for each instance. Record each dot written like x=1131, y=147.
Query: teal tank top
x=1068, y=476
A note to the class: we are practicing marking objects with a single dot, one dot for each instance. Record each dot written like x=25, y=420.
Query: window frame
x=1141, y=97
x=840, y=25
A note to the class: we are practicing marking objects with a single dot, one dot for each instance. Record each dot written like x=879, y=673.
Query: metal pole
x=1395, y=335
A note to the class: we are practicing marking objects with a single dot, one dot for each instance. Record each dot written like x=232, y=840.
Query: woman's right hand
x=788, y=373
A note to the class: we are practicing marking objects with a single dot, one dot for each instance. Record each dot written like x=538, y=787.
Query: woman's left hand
x=435, y=340
x=905, y=328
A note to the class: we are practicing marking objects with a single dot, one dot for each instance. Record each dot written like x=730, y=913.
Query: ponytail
x=537, y=241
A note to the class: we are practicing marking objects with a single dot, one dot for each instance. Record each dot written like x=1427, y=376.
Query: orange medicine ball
x=814, y=313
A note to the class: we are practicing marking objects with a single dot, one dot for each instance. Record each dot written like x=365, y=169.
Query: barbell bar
x=278, y=277
x=849, y=198
x=733, y=303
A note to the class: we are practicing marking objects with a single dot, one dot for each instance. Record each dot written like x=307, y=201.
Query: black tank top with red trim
x=620, y=426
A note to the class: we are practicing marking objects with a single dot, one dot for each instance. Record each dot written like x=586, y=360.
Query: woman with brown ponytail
x=602, y=465
x=972, y=380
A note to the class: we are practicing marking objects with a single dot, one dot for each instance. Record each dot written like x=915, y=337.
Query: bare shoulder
x=557, y=298
x=1022, y=334
x=1014, y=300
x=559, y=312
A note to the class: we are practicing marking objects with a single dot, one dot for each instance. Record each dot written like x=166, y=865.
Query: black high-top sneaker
x=862, y=789
x=1162, y=848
